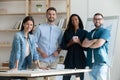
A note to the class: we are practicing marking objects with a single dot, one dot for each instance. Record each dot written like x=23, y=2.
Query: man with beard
x=97, y=42
x=48, y=37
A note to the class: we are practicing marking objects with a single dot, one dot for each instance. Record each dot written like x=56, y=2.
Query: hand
x=94, y=40
x=14, y=69
x=76, y=40
x=44, y=68
x=55, y=54
x=44, y=55
x=70, y=42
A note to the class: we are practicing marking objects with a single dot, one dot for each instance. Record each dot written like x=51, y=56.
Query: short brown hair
x=98, y=14
x=51, y=8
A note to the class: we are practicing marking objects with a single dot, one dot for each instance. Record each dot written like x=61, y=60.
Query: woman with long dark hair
x=23, y=51
x=72, y=39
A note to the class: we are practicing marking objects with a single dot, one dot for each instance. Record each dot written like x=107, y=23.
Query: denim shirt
x=48, y=37
x=19, y=50
x=101, y=53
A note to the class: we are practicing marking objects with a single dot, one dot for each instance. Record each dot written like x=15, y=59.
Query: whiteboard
x=111, y=23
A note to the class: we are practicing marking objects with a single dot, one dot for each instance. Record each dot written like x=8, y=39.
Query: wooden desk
x=40, y=73
x=4, y=68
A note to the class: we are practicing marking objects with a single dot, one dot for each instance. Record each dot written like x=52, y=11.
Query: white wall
x=87, y=8
x=79, y=7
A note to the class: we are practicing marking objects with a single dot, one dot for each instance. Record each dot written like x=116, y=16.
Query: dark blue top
x=75, y=56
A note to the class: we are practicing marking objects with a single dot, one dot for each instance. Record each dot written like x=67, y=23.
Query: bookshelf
x=62, y=6
x=13, y=11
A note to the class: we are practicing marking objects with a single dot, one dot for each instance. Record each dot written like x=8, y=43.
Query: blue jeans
x=99, y=72
x=27, y=62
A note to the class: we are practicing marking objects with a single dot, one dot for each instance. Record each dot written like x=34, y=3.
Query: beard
x=51, y=20
x=96, y=25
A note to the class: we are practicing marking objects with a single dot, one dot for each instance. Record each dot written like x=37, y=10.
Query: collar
x=24, y=35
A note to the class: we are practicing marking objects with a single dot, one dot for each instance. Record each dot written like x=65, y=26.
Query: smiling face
x=28, y=26
x=98, y=20
x=51, y=16
x=75, y=21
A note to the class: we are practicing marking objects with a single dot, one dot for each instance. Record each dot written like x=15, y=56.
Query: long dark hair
x=27, y=18
x=71, y=26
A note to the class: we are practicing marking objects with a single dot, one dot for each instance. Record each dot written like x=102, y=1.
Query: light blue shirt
x=48, y=38
x=18, y=51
